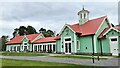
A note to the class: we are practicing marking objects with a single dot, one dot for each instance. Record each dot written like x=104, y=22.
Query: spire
x=83, y=7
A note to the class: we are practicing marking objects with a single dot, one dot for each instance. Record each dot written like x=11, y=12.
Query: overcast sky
x=51, y=15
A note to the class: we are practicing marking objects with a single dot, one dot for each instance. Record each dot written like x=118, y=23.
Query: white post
x=42, y=47
x=9, y=48
x=12, y=48
x=52, y=47
x=16, y=48
x=23, y=47
x=37, y=48
x=55, y=48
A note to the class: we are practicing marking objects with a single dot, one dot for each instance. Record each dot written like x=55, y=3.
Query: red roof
x=31, y=37
x=89, y=27
x=48, y=39
x=18, y=39
x=117, y=27
x=101, y=35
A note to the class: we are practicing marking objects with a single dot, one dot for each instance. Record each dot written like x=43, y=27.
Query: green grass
x=22, y=54
x=8, y=63
x=117, y=56
x=78, y=57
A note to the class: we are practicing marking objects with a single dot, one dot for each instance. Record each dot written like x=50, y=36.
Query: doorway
x=67, y=45
x=114, y=46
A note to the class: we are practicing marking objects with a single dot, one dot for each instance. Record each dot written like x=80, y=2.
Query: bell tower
x=83, y=16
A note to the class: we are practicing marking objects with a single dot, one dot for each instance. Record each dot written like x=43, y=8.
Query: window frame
x=78, y=45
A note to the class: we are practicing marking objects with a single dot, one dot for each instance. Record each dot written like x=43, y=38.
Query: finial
x=83, y=7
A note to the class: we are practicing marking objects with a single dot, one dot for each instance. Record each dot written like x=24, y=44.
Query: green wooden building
x=95, y=36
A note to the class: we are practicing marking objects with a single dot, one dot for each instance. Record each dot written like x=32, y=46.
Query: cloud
x=50, y=15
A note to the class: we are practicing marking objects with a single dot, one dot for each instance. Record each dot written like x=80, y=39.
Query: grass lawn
x=8, y=63
x=41, y=54
x=78, y=57
x=22, y=54
x=117, y=56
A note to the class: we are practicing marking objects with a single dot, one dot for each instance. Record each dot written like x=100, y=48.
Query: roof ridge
x=97, y=18
x=87, y=21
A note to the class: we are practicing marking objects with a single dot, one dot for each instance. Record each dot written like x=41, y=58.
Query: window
x=78, y=46
x=11, y=48
x=81, y=16
x=68, y=39
x=114, y=39
x=84, y=15
x=18, y=48
x=25, y=43
x=54, y=47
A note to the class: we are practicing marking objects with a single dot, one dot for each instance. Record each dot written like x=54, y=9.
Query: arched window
x=84, y=15
x=81, y=16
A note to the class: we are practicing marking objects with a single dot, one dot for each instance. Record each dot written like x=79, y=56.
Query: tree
x=22, y=30
x=42, y=30
x=50, y=32
x=15, y=33
x=31, y=30
x=4, y=40
x=46, y=33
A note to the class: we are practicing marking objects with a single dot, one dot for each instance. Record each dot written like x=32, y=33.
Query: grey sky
x=51, y=15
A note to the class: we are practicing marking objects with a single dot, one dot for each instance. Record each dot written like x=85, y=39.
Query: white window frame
x=112, y=37
x=78, y=45
x=67, y=42
x=25, y=45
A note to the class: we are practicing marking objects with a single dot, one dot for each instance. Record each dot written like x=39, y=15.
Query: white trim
x=78, y=45
x=43, y=44
x=37, y=47
x=109, y=30
x=9, y=48
x=64, y=28
x=75, y=42
x=95, y=44
x=111, y=37
x=100, y=25
x=37, y=37
x=67, y=42
x=42, y=35
x=16, y=48
x=41, y=47
x=26, y=38
x=61, y=44
x=52, y=47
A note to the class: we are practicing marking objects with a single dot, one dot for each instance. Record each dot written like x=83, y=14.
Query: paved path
x=109, y=62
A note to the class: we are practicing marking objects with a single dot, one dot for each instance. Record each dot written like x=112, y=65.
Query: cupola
x=83, y=16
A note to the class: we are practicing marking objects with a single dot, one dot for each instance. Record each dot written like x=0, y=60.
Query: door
x=68, y=48
x=25, y=48
x=114, y=46
x=67, y=45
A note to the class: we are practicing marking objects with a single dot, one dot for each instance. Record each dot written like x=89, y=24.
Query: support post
x=101, y=47
x=37, y=48
x=93, y=48
x=16, y=48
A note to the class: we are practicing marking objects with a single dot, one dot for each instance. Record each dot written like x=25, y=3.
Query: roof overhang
x=109, y=30
x=64, y=28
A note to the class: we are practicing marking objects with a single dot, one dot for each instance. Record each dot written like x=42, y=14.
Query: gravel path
x=109, y=62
